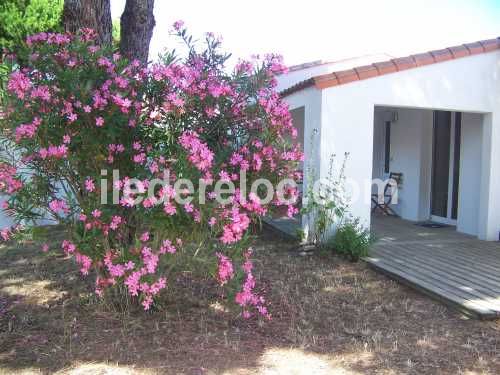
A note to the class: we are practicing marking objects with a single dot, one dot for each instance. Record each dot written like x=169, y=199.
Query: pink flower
x=99, y=121
x=145, y=237
x=199, y=153
x=45, y=247
x=96, y=213
x=58, y=206
x=19, y=84
x=89, y=185
x=169, y=209
x=115, y=222
x=84, y=261
x=72, y=117
x=225, y=270
x=178, y=25
x=68, y=247
x=147, y=302
x=5, y=234
x=167, y=247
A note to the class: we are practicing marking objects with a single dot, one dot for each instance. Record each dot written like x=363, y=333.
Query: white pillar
x=489, y=186
x=350, y=129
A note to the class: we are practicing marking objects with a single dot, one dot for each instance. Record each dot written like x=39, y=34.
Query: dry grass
x=329, y=317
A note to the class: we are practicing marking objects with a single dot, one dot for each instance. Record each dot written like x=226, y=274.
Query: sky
x=310, y=30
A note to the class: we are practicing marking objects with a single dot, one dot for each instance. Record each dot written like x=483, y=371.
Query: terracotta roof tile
x=474, y=48
x=298, y=87
x=442, y=55
x=423, y=58
x=394, y=65
x=459, y=51
x=404, y=63
x=346, y=76
x=490, y=44
x=385, y=67
x=326, y=80
x=367, y=71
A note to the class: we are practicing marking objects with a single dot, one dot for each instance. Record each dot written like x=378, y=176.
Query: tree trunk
x=137, y=23
x=93, y=14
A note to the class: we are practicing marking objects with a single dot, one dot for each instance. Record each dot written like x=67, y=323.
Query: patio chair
x=383, y=201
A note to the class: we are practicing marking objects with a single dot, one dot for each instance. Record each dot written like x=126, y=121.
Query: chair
x=383, y=201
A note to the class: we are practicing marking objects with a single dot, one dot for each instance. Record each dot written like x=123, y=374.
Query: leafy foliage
x=20, y=18
x=352, y=240
x=77, y=113
x=325, y=202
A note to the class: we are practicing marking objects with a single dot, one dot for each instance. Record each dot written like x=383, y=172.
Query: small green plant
x=352, y=240
x=326, y=202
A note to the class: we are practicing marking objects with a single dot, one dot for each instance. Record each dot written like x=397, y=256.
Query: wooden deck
x=286, y=227
x=454, y=268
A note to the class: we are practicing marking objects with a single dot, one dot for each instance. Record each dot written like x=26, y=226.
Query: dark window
x=440, y=163
x=387, y=155
x=456, y=165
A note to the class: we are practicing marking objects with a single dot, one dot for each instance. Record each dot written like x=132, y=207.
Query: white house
x=434, y=117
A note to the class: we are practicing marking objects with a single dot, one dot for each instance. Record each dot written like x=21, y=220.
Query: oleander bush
x=99, y=145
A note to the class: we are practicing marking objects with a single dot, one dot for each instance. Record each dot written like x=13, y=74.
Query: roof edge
x=395, y=65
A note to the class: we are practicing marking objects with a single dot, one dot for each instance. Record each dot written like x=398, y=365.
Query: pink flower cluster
x=126, y=118
x=57, y=152
x=225, y=271
x=9, y=182
x=247, y=297
x=28, y=130
x=58, y=206
x=234, y=230
x=199, y=153
x=19, y=84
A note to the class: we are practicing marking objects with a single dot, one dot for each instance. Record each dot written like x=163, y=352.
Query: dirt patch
x=329, y=317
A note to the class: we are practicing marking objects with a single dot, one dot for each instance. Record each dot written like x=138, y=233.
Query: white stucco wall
x=470, y=173
x=469, y=84
x=310, y=99
x=410, y=154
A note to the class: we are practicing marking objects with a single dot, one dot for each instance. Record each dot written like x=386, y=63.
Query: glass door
x=445, y=166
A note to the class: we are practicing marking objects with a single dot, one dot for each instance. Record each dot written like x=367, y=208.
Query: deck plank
x=437, y=276
x=454, y=268
x=438, y=266
x=470, y=264
x=437, y=292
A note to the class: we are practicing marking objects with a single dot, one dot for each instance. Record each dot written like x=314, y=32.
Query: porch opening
x=439, y=155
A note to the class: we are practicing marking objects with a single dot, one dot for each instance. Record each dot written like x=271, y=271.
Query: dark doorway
x=445, y=160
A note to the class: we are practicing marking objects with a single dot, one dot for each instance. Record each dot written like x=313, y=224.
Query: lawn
x=329, y=317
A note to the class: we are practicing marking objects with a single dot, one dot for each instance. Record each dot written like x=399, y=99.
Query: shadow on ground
x=329, y=317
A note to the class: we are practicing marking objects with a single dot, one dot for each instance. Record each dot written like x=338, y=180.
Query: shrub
x=77, y=113
x=326, y=203
x=352, y=240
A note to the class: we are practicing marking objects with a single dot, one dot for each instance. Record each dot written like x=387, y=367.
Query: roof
x=390, y=66
x=342, y=62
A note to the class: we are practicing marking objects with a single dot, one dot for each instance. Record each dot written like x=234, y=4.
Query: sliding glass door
x=445, y=166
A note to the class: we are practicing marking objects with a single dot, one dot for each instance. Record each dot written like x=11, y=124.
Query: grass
x=329, y=317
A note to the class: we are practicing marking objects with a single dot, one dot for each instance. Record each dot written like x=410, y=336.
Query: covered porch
x=454, y=268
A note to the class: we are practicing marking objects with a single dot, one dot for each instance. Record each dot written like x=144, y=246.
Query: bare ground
x=329, y=317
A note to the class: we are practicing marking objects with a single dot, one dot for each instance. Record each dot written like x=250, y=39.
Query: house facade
x=434, y=117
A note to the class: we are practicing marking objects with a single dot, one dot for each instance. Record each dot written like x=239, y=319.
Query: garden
x=136, y=193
